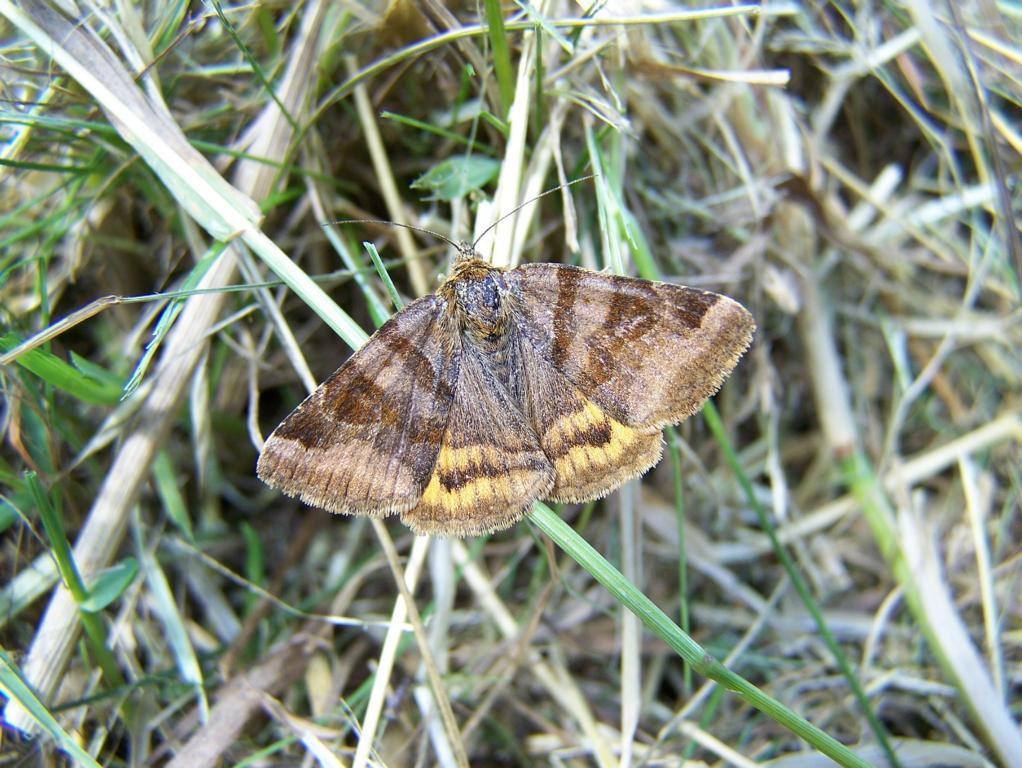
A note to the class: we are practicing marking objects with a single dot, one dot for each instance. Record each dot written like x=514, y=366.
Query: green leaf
x=457, y=176
x=110, y=585
x=168, y=489
x=384, y=275
x=95, y=371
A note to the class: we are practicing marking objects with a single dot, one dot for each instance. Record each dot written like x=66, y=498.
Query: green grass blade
x=14, y=687
x=497, y=36
x=384, y=275
x=60, y=547
x=658, y=622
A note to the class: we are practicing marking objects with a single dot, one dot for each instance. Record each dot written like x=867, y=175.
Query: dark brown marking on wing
x=362, y=402
x=629, y=318
x=567, y=295
x=692, y=311
x=416, y=363
x=596, y=435
x=453, y=479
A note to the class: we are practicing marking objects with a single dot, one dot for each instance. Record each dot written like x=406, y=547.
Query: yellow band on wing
x=462, y=459
x=584, y=458
x=480, y=491
x=568, y=427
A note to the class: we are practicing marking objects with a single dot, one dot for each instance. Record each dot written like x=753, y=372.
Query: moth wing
x=648, y=353
x=364, y=442
x=592, y=452
x=490, y=467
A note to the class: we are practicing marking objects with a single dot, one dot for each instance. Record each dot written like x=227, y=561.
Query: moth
x=545, y=381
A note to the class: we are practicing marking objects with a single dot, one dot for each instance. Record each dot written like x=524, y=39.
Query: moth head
x=479, y=296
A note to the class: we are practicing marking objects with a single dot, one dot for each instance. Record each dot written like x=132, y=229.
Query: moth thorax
x=480, y=298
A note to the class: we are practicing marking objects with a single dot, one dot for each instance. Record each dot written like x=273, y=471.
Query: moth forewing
x=365, y=441
x=649, y=353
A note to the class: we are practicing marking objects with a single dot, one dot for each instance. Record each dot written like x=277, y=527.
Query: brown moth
x=506, y=386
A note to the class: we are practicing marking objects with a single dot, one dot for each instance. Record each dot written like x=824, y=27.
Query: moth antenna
x=517, y=208
x=437, y=235
x=465, y=249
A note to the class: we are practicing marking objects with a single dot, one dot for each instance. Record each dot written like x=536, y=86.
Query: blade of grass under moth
x=717, y=428
x=679, y=507
x=658, y=622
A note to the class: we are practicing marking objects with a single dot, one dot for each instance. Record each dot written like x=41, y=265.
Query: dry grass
x=842, y=528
